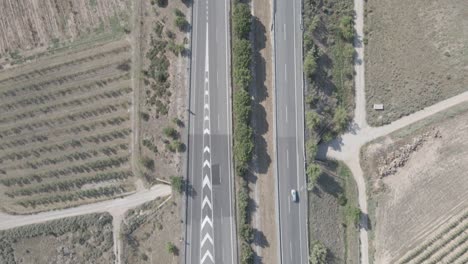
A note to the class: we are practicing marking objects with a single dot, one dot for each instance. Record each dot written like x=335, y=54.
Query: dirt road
x=114, y=207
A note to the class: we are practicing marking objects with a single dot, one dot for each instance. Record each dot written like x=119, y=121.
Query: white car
x=294, y=197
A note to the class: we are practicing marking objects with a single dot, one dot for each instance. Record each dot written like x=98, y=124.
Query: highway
x=210, y=225
x=290, y=171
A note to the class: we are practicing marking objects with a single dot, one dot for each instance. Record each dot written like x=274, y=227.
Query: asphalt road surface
x=210, y=233
x=290, y=132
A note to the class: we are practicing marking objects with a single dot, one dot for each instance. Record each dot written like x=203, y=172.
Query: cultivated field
x=414, y=55
x=418, y=187
x=82, y=239
x=37, y=25
x=65, y=129
x=150, y=231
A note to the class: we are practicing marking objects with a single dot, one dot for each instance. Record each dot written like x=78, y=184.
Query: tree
x=340, y=119
x=177, y=183
x=242, y=106
x=311, y=149
x=313, y=173
x=353, y=214
x=312, y=120
x=181, y=22
x=171, y=132
x=241, y=20
x=310, y=64
x=247, y=255
x=346, y=28
x=318, y=254
x=147, y=163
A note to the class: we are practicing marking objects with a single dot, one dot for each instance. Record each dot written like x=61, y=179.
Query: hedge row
x=242, y=108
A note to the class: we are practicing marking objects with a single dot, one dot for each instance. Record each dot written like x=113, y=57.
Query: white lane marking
x=206, y=201
x=284, y=26
x=227, y=31
x=290, y=250
x=206, y=131
x=207, y=118
x=206, y=181
x=207, y=92
x=285, y=72
x=206, y=149
x=205, y=221
x=206, y=163
x=297, y=137
x=286, y=113
x=207, y=238
x=207, y=254
x=287, y=158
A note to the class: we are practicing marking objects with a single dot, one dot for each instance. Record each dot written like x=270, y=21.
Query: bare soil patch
x=65, y=129
x=423, y=194
x=414, y=55
x=147, y=230
x=329, y=223
x=82, y=239
x=30, y=26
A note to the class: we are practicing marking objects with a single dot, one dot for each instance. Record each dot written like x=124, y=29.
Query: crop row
x=69, y=197
x=52, y=122
x=449, y=246
x=59, y=67
x=55, y=93
x=70, y=184
x=72, y=157
x=75, y=117
x=60, y=80
x=435, y=239
x=458, y=254
x=74, y=143
x=78, y=102
x=93, y=166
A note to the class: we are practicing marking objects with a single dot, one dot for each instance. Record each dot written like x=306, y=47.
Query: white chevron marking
x=206, y=163
x=206, y=131
x=207, y=237
x=207, y=254
x=206, y=220
x=206, y=149
x=206, y=201
x=206, y=181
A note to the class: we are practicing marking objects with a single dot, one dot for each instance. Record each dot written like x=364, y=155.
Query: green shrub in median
x=241, y=20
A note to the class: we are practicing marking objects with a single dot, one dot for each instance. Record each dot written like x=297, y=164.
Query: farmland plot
x=65, y=129
x=40, y=24
x=418, y=187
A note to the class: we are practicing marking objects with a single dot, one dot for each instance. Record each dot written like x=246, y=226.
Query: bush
x=310, y=64
x=242, y=106
x=242, y=58
x=241, y=20
x=177, y=183
x=171, y=248
x=318, y=254
x=353, y=214
x=346, y=28
x=181, y=23
x=171, y=132
x=178, y=13
x=340, y=119
x=243, y=147
x=311, y=149
x=312, y=120
x=313, y=173
x=147, y=163
x=247, y=254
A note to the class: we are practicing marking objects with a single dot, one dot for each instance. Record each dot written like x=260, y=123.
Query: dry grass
x=82, y=239
x=27, y=25
x=414, y=56
x=148, y=229
x=65, y=129
x=426, y=195
x=328, y=221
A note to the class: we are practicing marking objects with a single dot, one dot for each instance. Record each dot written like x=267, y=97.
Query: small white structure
x=378, y=107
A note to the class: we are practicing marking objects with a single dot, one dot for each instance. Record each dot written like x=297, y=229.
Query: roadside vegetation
x=328, y=70
x=81, y=239
x=151, y=233
x=334, y=216
x=242, y=108
x=164, y=47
